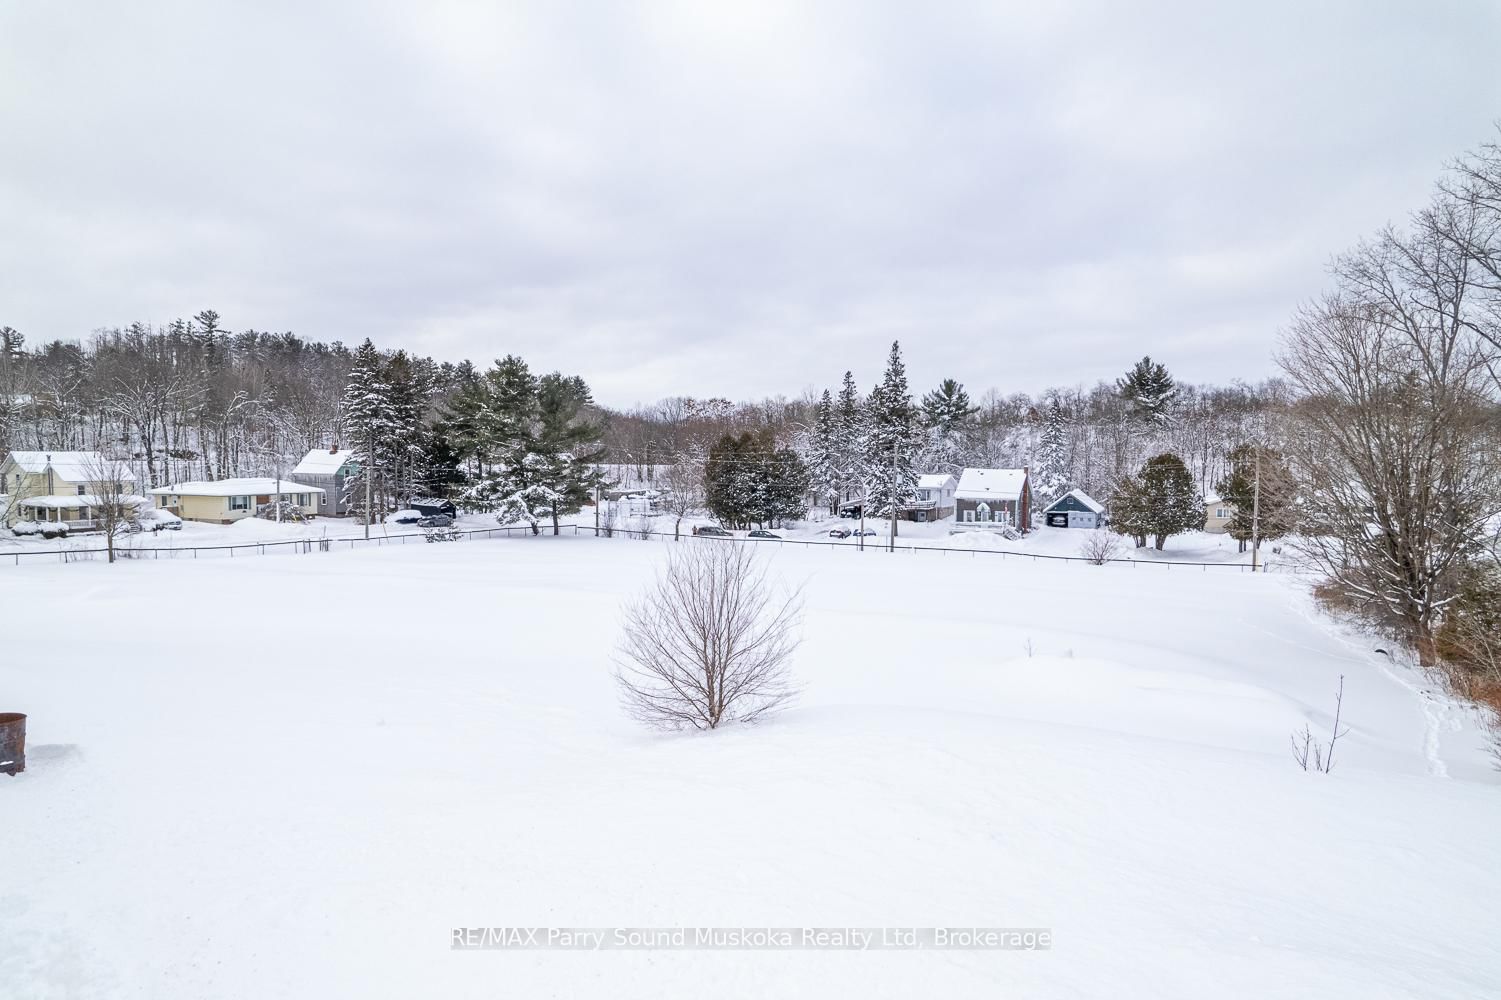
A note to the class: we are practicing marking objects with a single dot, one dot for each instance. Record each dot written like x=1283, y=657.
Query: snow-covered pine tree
x=946, y=414
x=893, y=441
x=1050, y=479
x=404, y=448
x=370, y=418
x=1150, y=390
x=566, y=448
x=495, y=416
x=851, y=441
x=822, y=460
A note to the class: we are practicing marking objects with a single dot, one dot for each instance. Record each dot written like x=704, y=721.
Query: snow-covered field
x=293, y=777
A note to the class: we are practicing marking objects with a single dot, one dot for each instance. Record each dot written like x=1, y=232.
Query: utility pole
x=596, y=510
x=1256, y=509
x=864, y=499
x=891, y=539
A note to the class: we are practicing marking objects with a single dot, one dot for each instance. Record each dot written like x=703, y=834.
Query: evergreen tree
x=565, y=453
x=1129, y=510
x=371, y=419
x=851, y=441
x=947, y=408
x=822, y=457
x=946, y=415
x=1171, y=502
x=402, y=450
x=892, y=449
x=748, y=480
x=1150, y=391
x=1051, y=478
x=1274, y=510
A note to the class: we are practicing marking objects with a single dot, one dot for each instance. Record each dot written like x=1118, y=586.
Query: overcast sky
x=703, y=200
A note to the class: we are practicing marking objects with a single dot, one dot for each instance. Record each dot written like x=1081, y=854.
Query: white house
x=935, y=498
x=223, y=501
x=992, y=499
x=1075, y=509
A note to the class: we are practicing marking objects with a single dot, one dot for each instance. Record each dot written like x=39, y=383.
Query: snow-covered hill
x=293, y=777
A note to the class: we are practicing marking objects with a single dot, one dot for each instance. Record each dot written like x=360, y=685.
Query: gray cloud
x=716, y=199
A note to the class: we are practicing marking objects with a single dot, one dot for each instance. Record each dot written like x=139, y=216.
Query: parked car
x=763, y=533
x=435, y=521
x=867, y=533
x=839, y=532
x=407, y=517
x=709, y=531
x=157, y=519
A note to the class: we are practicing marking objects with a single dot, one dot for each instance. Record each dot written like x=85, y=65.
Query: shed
x=433, y=506
x=1075, y=509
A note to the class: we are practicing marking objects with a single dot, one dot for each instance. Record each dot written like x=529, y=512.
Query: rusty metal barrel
x=12, y=742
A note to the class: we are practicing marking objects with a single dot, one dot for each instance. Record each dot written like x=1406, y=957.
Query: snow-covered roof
x=1210, y=499
x=234, y=488
x=74, y=502
x=72, y=466
x=934, y=481
x=323, y=461
x=1083, y=498
x=991, y=484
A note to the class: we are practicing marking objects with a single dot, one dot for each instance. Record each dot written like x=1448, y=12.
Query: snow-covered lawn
x=249, y=531
x=293, y=777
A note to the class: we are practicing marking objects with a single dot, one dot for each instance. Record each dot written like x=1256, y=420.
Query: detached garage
x=1075, y=509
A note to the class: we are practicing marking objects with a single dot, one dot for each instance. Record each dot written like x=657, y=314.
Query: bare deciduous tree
x=112, y=508
x=710, y=642
x=1393, y=445
x=684, y=493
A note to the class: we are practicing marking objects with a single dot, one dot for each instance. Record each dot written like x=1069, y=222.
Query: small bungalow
x=225, y=501
x=1217, y=514
x=935, y=498
x=993, y=499
x=60, y=486
x=1075, y=509
x=327, y=469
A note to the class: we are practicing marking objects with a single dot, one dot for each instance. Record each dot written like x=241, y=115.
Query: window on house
x=80, y=489
x=239, y=503
x=1222, y=512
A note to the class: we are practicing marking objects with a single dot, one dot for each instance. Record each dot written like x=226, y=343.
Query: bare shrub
x=1099, y=547
x=1315, y=755
x=709, y=642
